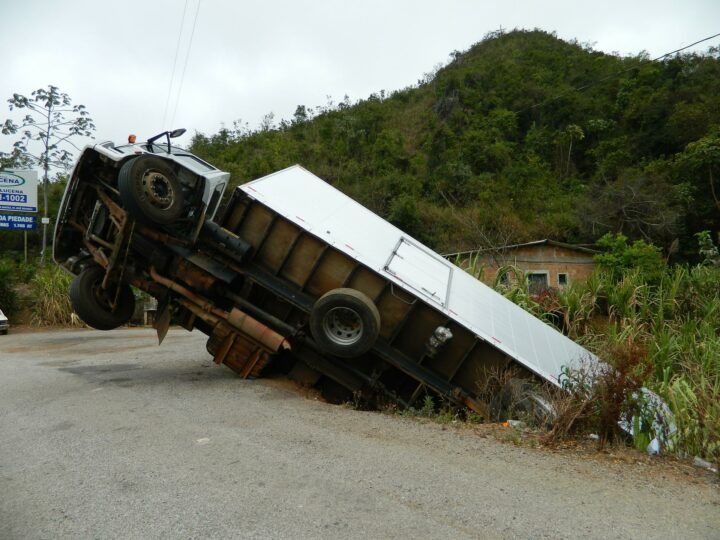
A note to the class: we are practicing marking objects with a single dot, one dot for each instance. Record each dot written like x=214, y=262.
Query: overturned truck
x=293, y=274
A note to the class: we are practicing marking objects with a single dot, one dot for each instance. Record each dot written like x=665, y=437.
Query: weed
x=656, y=327
x=473, y=418
x=8, y=297
x=50, y=301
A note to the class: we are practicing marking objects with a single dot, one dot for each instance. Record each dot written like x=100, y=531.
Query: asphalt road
x=106, y=435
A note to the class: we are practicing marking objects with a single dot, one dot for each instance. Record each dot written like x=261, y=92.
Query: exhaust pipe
x=238, y=319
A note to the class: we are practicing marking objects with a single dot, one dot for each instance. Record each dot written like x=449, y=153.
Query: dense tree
x=498, y=145
x=703, y=157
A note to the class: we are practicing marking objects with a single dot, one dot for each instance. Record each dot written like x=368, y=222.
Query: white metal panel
x=319, y=208
x=424, y=271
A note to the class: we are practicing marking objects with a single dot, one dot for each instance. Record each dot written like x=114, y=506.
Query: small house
x=548, y=263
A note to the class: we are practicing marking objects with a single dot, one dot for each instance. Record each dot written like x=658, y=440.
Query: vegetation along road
x=107, y=435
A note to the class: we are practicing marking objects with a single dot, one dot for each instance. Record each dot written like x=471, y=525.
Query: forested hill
x=501, y=146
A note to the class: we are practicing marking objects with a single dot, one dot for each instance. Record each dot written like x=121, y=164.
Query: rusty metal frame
x=384, y=350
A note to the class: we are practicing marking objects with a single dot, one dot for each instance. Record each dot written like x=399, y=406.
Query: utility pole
x=45, y=212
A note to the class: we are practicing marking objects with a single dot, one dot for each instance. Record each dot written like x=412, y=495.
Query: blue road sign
x=17, y=223
x=18, y=191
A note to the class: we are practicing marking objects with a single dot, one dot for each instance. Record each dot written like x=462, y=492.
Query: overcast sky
x=251, y=58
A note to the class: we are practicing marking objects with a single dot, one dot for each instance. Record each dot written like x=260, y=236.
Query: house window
x=538, y=282
x=562, y=279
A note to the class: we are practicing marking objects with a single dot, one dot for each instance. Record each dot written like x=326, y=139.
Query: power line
x=686, y=47
x=187, y=57
x=612, y=75
x=172, y=77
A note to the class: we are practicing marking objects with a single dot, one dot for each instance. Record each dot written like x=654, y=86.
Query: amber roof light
x=131, y=139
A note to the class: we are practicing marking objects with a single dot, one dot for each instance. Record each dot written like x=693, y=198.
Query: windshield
x=161, y=147
x=194, y=162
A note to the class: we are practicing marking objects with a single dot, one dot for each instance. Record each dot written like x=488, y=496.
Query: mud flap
x=162, y=322
x=243, y=355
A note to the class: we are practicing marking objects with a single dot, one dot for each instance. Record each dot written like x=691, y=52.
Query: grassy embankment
x=658, y=326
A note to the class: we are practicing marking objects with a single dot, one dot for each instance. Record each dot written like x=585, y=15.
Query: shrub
x=8, y=297
x=693, y=391
x=708, y=251
x=598, y=398
x=620, y=256
x=49, y=296
x=662, y=336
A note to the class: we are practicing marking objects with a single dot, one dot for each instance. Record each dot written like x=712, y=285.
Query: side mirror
x=177, y=132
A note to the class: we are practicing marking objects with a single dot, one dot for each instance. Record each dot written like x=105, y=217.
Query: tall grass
x=50, y=303
x=663, y=335
x=8, y=296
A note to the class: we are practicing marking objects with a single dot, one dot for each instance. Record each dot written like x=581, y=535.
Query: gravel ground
x=105, y=435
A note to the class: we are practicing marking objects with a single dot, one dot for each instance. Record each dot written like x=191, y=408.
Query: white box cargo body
x=318, y=208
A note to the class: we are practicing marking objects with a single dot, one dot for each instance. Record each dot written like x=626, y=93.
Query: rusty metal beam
x=350, y=275
x=289, y=252
x=430, y=379
x=464, y=358
x=315, y=266
x=266, y=233
x=381, y=293
x=241, y=321
x=400, y=325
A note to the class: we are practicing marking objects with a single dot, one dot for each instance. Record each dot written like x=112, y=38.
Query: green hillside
x=500, y=146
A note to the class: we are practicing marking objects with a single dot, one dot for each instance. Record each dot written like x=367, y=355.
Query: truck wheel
x=150, y=190
x=92, y=303
x=345, y=323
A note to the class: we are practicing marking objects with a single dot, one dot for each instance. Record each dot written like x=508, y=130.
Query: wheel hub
x=101, y=296
x=343, y=325
x=158, y=189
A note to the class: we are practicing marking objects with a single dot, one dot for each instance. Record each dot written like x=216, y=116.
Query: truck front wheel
x=98, y=307
x=150, y=190
x=345, y=323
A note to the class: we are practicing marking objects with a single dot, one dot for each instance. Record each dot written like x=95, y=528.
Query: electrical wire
x=187, y=57
x=172, y=77
x=612, y=75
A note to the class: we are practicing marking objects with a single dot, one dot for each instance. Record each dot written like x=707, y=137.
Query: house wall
x=578, y=265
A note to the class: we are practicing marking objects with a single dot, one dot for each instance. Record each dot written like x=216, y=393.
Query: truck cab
x=158, y=184
x=122, y=204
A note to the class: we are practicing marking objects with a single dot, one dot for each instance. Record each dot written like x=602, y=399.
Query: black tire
x=150, y=190
x=345, y=323
x=3, y=332
x=93, y=307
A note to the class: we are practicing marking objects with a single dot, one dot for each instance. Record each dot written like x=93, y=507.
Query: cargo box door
x=421, y=270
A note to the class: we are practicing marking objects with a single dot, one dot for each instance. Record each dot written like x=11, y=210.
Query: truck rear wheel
x=93, y=304
x=150, y=190
x=345, y=323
